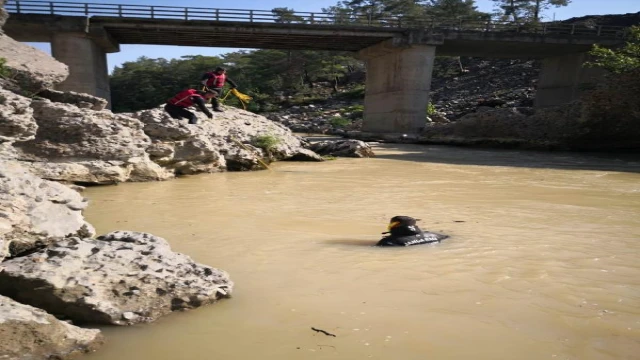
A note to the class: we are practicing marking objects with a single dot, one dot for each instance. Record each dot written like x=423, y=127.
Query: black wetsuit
x=407, y=235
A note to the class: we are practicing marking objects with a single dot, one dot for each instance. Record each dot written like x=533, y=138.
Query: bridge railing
x=313, y=18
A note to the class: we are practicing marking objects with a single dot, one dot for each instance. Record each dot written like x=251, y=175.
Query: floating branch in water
x=322, y=331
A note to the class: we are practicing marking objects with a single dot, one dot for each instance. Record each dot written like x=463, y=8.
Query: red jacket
x=184, y=98
x=215, y=80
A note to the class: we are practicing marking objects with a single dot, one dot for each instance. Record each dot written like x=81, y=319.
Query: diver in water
x=404, y=232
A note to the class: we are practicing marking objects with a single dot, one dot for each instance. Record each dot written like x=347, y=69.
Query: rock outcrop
x=119, y=278
x=87, y=146
x=227, y=142
x=16, y=118
x=3, y=15
x=342, y=148
x=83, y=101
x=76, y=142
x=31, y=69
x=30, y=333
x=34, y=212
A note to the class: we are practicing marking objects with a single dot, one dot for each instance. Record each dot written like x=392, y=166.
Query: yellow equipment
x=244, y=98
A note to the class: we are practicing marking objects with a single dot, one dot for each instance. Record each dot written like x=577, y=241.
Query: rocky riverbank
x=53, y=269
x=54, y=274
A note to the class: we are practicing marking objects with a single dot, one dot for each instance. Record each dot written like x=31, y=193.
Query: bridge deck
x=165, y=25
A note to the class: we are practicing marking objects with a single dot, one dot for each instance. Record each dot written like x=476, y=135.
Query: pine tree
x=513, y=9
x=538, y=6
x=527, y=9
x=454, y=9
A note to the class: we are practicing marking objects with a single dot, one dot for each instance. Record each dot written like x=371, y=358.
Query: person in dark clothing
x=404, y=232
x=215, y=80
x=177, y=106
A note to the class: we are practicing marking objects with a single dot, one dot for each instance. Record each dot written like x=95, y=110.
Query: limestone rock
x=87, y=146
x=439, y=118
x=31, y=68
x=83, y=101
x=496, y=123
x=345, y=148
x=30, y=333
x=35, y=211
x=196, y=155
x=3, y=15
x=158, y=125
x=223, y=143
x=306, y=155
x=16, y=120
x=119, y=278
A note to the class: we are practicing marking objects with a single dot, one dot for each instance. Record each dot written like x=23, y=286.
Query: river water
x=542, y=262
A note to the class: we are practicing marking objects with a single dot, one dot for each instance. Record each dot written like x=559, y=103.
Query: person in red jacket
x=215, y=80
x=177, y=106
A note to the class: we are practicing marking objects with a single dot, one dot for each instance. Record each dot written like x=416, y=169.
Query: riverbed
x=542, y=262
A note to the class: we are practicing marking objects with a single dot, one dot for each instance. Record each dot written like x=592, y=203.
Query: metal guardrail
x=314, y=18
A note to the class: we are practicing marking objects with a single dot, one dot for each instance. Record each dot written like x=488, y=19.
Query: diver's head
x=398, y=221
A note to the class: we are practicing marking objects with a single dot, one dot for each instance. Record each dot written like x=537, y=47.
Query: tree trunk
x=307, y=78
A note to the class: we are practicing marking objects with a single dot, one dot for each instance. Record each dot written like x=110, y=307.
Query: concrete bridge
x=399, y=52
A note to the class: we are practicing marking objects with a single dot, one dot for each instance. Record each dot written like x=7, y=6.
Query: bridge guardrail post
x=217, y=14
x=186, y=13
x=250, y=15
x=312, y=19
x=18, y=6
x=86, y=9
x=52, y=8
x=152, y=12
x=119, y=10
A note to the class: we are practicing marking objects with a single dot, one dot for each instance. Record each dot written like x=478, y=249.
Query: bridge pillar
x=87, y=61
x=397, y=87
x=563, y=78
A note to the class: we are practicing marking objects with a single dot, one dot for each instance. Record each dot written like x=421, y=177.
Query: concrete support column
x=87, y=61
x=563, y=78
x=397, y=87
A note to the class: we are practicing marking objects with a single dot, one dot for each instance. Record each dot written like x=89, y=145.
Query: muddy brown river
x=542, y=263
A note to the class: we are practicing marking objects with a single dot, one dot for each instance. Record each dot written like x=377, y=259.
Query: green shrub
x=339, y=121
x=431, y=109
x=266, y=142
x=619, y=60
x=354, y=111
x=4, y=71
